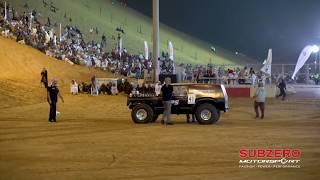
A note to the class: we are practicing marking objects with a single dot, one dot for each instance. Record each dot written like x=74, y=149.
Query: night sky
x=247, y=26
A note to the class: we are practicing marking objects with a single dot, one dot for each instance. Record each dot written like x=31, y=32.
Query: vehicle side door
x=180, y=99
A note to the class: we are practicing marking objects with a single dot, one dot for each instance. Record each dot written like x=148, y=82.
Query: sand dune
x=20, y=68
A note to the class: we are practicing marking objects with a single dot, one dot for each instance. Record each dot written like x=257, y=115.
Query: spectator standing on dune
x=52, y=97
x=44, y=77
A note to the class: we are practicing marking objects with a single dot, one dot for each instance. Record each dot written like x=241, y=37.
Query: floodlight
x=315, y=49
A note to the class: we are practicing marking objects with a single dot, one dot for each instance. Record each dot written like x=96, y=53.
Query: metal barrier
x=278, y=71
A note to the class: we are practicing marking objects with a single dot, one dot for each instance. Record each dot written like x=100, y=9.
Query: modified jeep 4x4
x=204, y=100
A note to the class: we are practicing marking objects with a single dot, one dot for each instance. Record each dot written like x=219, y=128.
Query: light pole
x=317, y=58
x=316, y=52
x=156, y=38
x=5, y=10
x=315, y=62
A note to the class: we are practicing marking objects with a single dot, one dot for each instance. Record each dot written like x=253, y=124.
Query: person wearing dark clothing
x=103, y=41
x=44, y=77
x=139, y=88
x=103, y=89
x=144, y=89
x=166, y=91
x=19, y=37
x=48, y=22
x=120, y=86
x=149, y=89
x=26, y=19
x=282, y=86
x=109, y=86
x=127, y=87
x=52, y=97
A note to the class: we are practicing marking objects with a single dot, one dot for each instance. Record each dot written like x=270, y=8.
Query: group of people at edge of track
x=52, y=94
x=166, y=92
x=259, y=102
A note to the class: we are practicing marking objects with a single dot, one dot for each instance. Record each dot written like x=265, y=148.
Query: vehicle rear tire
x=207, y=114
x=142, y=113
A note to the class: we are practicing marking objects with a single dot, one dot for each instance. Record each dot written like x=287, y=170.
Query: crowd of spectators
x=221, y=74
x=109, y=88
x=71, y=47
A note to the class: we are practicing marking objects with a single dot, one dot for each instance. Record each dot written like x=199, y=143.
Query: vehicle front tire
x=142, y=113
x=207, y=114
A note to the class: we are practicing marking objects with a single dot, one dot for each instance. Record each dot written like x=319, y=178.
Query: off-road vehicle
x=204, y=100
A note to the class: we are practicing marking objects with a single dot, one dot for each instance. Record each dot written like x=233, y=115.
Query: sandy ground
x=95, y=138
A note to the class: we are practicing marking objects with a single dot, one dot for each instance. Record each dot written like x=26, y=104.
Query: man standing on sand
x=52, y=96
x=166, y=91
x=44, y=77
x=260, y=98
x=282, y=86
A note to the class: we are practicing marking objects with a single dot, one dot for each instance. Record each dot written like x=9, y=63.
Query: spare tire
x=142, y=113
x=207, y=114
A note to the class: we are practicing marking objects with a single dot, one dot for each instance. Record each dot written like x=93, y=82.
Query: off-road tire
x=207, y=114
x=142, y=113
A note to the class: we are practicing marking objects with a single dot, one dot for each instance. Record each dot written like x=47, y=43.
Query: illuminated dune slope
x=20, y=68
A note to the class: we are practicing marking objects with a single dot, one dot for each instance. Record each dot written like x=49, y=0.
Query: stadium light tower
x=316, y=49
x=156, y=38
